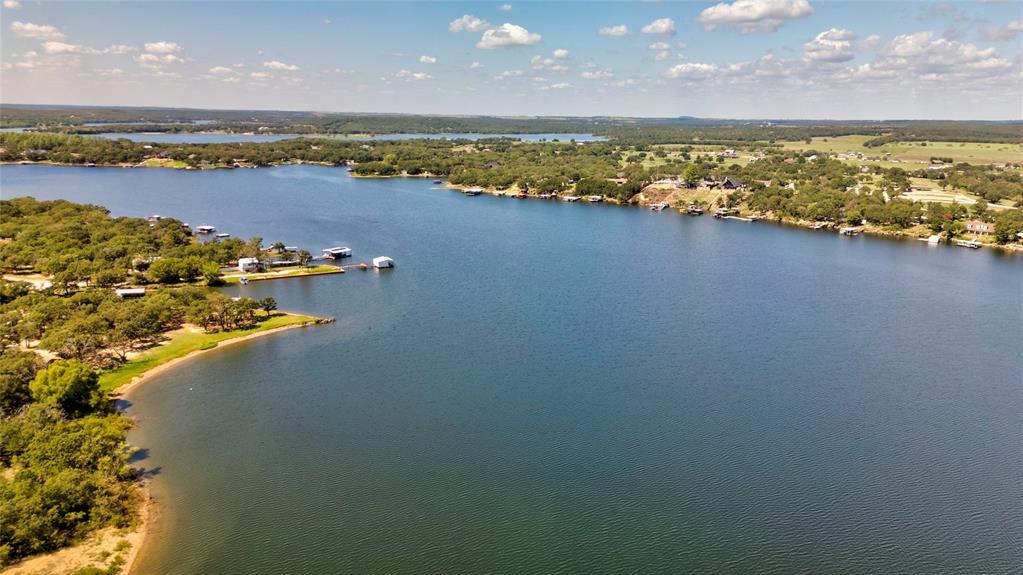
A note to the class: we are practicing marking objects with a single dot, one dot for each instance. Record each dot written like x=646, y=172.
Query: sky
x=807, y=59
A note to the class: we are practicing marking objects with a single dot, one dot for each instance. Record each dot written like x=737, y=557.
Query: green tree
x=71, y=385
x=268, y=305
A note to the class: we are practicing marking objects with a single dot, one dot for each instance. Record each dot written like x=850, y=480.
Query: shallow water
x=548, y=387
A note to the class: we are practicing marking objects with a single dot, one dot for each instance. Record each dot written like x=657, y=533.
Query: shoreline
x=868, y=230
x=148, y=510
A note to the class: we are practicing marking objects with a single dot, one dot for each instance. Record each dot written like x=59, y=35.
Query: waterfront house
x=383, y=262
x=979, y=228
x=248, y=264
x=730, y=183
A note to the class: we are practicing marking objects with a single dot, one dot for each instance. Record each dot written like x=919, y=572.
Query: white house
x=248, y=264
x=383, y=262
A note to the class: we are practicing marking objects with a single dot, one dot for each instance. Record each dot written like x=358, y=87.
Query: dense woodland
x=64, y=467
x=81, y=120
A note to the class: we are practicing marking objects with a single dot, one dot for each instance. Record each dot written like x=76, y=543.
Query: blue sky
x=736, y=59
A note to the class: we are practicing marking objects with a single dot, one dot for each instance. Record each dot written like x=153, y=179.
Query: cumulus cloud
x=834, y=45
x=506, y=7
x=509, y=74
x=428, y=59
x=469, y=23
x=36, y=31
x=278, y=65
x=1010, y=31
x=754, y=15
x=923, y=55
x=558, y=86
x=618, y=30
x=560, y=54
x=154, y=59
x=507, y=35
x=661, y=26
x=475, y=65
x=691, y=71
x=597, y=74
x=120, y=49
x=162, y=47
x=65, y=48
x=658, y=46
x=222, y=71
x=541, y=63
x=260, y=75
x=12, y=4
x=410, y=76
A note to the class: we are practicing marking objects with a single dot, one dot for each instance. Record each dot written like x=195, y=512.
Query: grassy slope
x=184, y=343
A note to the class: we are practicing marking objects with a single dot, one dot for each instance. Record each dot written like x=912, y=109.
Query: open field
x=970, y=152
x=187, y=340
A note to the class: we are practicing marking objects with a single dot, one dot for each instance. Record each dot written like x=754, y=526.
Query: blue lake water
x=543, y=387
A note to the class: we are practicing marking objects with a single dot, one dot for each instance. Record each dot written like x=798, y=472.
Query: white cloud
x=659, y=46
x=469, y=23
x=560, y=54
x=153, y=59
x=36, y=31
x=834, y=45
x=162, y=47
x=1010, y=31
x=558, y=86
x=691, y=71
x=475, y=65
x=506, y=8
x=618, y=30
x=120, y=49
x=597, y=74
x=12, y=4
x=222, y=71
x=260, y=75
x=278, y=65
x=507, y=35
x=661, y=56
x=754, y=15
x=64, y=48
x=110, y=72
x=661, y=26
x=428, y=59
x=409, y=76
x=509, y=74
x=541, y=63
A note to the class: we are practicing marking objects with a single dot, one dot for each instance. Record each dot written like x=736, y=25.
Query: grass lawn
x=183, y=343
x=233, y=278
x=164, y=163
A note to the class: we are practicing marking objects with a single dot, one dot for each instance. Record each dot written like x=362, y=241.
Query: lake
x=220, y=138
x=544, y=387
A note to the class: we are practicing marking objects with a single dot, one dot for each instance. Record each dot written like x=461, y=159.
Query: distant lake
x=215, y=138
x=545, y=387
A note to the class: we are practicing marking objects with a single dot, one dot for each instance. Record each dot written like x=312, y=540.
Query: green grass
x=184, y=343
x=282, y=273
x=970, y=152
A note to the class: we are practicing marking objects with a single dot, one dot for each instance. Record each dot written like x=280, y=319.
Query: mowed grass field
x=970, y=152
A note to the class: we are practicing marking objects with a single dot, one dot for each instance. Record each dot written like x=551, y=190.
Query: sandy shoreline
x=148, y=514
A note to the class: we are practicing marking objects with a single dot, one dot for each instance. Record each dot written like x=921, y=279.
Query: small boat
x=571, y=198
x=223, y=235
x=594, y=199
x=850, y=231
x=658, y=207
x=472, y=191
x=438, y=182
x=244, y=281
x=972, y=244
